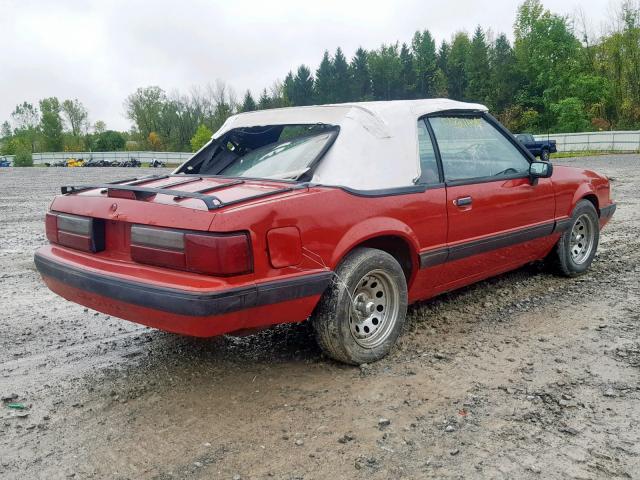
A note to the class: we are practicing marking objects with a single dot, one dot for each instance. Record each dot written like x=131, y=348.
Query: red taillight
x=213, y=254
x=224, y=255
x=80, y=233
x=158, y=256
x=51, y=227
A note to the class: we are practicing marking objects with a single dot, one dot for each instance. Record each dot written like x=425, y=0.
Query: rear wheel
x=578, y=244
x=544, y=155
x=361, y=315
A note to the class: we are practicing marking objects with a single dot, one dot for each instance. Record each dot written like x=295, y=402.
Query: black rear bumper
x=608, y=211
x=183, y=302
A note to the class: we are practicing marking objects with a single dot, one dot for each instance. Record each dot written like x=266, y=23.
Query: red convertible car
x=341, y=213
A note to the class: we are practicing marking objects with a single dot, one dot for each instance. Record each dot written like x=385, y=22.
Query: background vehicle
x=131, y=162
x=95, y=163
x=73, y=162
x=268, y=223
x=4, y=162
x=538, y=148
x=155, y=163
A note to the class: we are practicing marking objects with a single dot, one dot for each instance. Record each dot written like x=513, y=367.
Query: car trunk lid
x=187, y=202
x=153, y=200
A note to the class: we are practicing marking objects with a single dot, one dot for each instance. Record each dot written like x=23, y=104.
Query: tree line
x=555, y=76
x=55, y=126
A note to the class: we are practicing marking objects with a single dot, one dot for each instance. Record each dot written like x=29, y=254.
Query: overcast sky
x=100, y=51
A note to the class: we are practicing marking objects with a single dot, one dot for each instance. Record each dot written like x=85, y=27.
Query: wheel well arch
x=594, y=200
x=396, y=246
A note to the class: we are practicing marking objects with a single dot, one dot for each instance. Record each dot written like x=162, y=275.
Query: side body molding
x=438, y=256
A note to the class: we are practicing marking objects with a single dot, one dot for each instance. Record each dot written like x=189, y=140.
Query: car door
x=498, y=217
x=430, y=225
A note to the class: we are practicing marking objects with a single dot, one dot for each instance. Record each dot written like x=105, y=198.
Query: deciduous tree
x=76, y=115
x=99, y=127
x=457, y=66
x=144, y=108
x=51, y=124
x=386, y=72
x=26, y=121
x=109, y=141
x=201, y=137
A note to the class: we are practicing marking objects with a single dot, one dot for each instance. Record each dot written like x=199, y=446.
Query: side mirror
x=540, y=170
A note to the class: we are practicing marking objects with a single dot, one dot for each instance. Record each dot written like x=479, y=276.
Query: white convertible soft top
x=377, y=146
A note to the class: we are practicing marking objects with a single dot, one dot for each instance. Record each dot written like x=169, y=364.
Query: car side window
x=428, y=164
x=470, y=147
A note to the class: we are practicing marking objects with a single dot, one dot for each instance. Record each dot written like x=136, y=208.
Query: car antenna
x=547, y=122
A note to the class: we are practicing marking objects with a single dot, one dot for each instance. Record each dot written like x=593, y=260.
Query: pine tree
x=443, y=57
x=341, y=80
x=504, y=75
x=360, y=76
x=248, y=104
x=324, y=84
x=287, y=88
x=457, y=66
x=408, y=72
x=302, y=92
x=424, y=54
x=264, y=103
x=478, y=70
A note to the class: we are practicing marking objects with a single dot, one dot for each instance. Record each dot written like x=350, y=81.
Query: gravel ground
x=527, y=375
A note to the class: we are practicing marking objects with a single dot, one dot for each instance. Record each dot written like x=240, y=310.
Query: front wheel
x=362, y=313
x=578, y=244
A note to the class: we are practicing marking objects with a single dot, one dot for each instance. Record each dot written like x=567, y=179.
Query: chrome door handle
x=462, y=201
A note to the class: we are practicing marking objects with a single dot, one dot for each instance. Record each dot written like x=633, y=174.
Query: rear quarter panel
x=332, y=222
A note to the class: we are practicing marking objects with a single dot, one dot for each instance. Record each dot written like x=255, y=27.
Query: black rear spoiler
x=140, y=192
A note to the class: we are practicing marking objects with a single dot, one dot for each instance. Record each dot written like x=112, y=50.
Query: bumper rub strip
x=608, y=211
x=182, y=302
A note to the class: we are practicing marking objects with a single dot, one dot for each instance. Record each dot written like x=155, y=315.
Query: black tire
x=367, y=277
x=566, y=258
x=544, y=155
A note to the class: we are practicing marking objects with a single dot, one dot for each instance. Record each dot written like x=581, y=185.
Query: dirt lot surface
x=527, y=375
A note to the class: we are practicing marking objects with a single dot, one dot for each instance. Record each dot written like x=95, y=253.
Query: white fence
x=614, y=141
x=52, y=157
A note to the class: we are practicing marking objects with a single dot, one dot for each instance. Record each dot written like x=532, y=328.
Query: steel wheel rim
x=375, y=302
x=582, y=239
